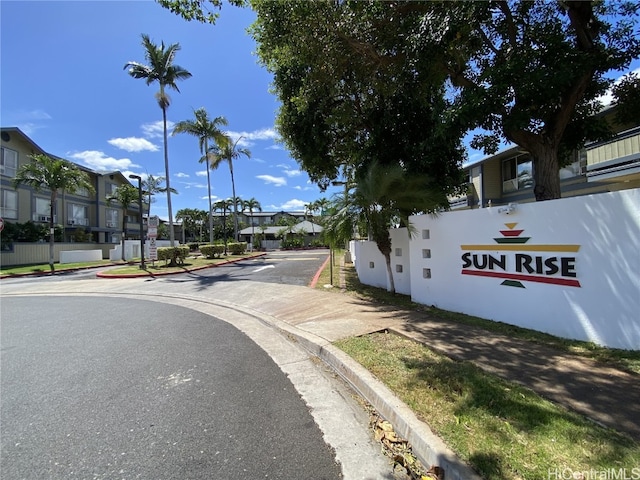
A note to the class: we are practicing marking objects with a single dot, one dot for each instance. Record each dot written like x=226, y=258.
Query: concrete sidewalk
x=604, y=394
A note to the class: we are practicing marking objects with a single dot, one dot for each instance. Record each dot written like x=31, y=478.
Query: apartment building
x=507, y=177
x=99, y=221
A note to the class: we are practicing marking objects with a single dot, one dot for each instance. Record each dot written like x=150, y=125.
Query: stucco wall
x=598, y=297
x=574, y=270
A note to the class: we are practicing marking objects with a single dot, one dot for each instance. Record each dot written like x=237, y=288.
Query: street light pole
x=139, y=178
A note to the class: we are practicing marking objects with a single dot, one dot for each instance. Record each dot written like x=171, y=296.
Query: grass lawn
x=502, y=429
x=190, y=263
x=151, y=268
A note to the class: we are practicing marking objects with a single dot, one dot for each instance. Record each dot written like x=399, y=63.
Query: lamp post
x=139, y=178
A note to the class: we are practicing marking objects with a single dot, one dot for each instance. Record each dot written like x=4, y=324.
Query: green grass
x=627, y=360
x=191, y=263
x=44, y=267
x=503, y=430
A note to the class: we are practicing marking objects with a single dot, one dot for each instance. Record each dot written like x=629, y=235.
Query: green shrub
x=237, y=248
x=212, y=251
x=293, y=242
x=173, y=255
x=193, y=246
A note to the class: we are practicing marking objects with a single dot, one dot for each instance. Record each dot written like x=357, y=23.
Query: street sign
x=153, y=222
x=153, y=249
x=152, y=232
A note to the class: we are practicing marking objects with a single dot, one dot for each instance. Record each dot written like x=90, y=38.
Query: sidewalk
x=606, y=395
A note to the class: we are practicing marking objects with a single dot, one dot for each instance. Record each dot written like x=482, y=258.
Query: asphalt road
x=101, y=389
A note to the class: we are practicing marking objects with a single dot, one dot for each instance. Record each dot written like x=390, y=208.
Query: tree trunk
x=392, y=284
x=52, y=230
x=546, y=169
x=167, y=179
x=235, y=203
x=546, y=173
x=206, y=153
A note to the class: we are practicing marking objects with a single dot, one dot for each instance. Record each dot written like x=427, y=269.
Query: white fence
x=568, y=267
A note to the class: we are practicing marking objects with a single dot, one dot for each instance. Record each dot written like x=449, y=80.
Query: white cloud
x=155, y=129
x=293, y=204
x=302, y=189
x=97, y=160
x=292, y=173
x=270, y=179
x=275, y=147
x=133, y=144
x=182, y=175
x=201, y=173
x=249, y=138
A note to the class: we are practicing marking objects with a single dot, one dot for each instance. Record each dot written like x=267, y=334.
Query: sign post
x=152, y=234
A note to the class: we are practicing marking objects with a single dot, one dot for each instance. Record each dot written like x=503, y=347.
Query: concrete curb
x=426, y=445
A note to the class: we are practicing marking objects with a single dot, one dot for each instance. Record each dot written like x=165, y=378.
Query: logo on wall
x=517, y=260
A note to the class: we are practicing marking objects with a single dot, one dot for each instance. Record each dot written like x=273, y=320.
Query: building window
x=43, y=210
x=110, y=189
x=9, y=206
x=112, y=218
x=517, y=174
x=8, y=162
x=81, y=192
x=78, y=215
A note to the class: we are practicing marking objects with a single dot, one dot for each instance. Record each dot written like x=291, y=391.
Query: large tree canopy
x=342, y=110
x=353, y=74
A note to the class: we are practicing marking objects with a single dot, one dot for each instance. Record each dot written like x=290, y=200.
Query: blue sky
x=64, y=85
x=62, y=82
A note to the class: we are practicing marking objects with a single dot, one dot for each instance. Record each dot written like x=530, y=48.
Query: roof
x=307, y=226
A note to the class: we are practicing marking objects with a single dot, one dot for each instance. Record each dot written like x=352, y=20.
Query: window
x=112, y=218
x=110, y=189
x=517, y=174
x=82, y=192
x=78, y=215
x=8, y=162
x=9, y=206
x=43, y=210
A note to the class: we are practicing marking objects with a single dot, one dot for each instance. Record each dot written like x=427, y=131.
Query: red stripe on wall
x=526, y=278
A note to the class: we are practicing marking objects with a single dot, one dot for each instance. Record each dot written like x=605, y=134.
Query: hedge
x=211, y=251
x=173, y=254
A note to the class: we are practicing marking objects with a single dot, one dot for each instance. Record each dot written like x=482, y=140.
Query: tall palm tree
x=126, y=194
x=161, y=69
x=309, y=209
x=204, y=129
x=252, y=205
x=56, y=175
x=152, y=185
x=230, y=152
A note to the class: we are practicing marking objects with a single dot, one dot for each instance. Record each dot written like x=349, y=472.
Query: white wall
x=373, y=271
x=604, y=308
x=598, y=297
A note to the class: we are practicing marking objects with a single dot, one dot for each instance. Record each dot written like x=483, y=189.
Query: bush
x=294, y=242
x=211, y=251
x=173, y=255
x=237, y=248
x=193, y=246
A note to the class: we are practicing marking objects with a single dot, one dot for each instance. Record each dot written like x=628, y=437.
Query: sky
x=63, y=83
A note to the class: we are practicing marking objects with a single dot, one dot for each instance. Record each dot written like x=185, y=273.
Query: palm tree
x=383, y=197
x=230, y=152
x=162, y=70
x=252, y=204
x=309, y=208
x=125, y=195
x=224, y=206
x=205, y=129
x=152, y=185
x=56, y=175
